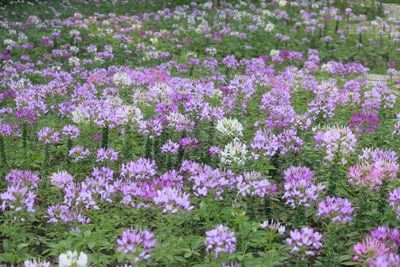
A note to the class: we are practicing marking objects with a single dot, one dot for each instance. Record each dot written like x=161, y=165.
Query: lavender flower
x=71, y=132
x=172, y=200
x=336, y=141
x=299, y=187
x=48, y=135
x=220, y=240
x=394, y=201
x=335, y=208
x=141, y=169
x=78, y=153
x=61, y=179
x=382, y=240
x=362, y=122
x=104, y=154
x=137, y=243
x=305, y=242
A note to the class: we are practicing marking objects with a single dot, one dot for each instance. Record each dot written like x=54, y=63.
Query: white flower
x=74, y=61
x=36, y=263
x=273, y=53
x=80, y=115
x=234, y=152
x=8, y=42
x=282, y=3
x=122, y=78
x=269, y=27
x=70, y=259
x=230, y=127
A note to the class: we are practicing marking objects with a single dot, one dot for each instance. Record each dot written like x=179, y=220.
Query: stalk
x=3, y=151
x=104, y=140
x=24, y=135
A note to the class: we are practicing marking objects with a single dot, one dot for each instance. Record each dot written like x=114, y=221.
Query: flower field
x=179, y=133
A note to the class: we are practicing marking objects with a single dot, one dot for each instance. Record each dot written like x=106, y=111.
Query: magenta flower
x=362, y=122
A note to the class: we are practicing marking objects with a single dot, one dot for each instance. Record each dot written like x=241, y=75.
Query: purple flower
x=387, y=260
x=136, y=243
x=220, y=240
x=362, y=122
x=394, y=201
x=141, y=169
x=78, y=153
x=172, y=200
x=48, y=135
x=380, y=241
x=70, y=131
x=253, y=184
x=335, y=208
x=104, y=154
x=299, y=187
x=336, y=142
x=305, y=242
x=374, y=167
x=27, y=115
x=61, y=179
x=170, y=147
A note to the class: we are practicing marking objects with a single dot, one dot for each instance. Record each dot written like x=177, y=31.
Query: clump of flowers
x=48, y=135
x=71, y=132
x=394, y=201
x=380, y=242
x=72, y=259
x=230, y=127
x=375, y=166
x=172, y=200
x=362, y=122
x=388, y=260
x=396, y=131
x=61, y=179
x=104, y=154
x=220, y=240
x=305, y=242
x=234, y=152
x=78, y=153
x=137, y=244
x=337, y=142
x=274, y=226
x=335, y=208
x=36, y=263
x=299, y=187
x=141, y=169
x=20, y=193
x=253, y=184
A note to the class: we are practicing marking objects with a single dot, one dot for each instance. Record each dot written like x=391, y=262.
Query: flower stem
x=104, y=140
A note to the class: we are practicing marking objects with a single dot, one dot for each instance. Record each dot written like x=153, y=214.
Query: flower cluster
x=299, y=187
x=305, y=242
x=72, y=258
x=336, y=209
x=337, y=142
x=20, y=193
x=137, y=243
x=380, y=243
x=220, y=240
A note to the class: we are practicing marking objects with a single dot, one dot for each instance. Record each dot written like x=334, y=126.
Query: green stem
x=104, y=141
x=147, y=149
x=3, y=151
x=24, y=135
x=46, y=153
